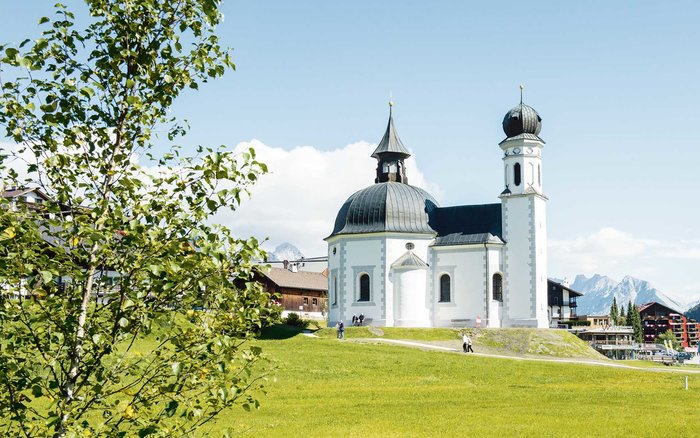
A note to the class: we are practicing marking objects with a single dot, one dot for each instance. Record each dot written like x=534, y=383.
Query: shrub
x=295, y=320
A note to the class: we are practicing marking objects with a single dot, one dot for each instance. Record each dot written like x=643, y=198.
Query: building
x=300, y=291
x=596, y=321
x=658, y=319
x=400, y=259
x=561, y=301
x=614, y=342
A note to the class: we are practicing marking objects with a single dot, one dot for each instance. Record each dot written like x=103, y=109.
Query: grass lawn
x=326, y=387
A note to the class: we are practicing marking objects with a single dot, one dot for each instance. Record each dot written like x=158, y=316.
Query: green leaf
x=176, y=367
x=123, y=322
x=46, y=276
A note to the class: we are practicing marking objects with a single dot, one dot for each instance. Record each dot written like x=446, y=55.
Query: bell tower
x=524, y=219
x=390, y=154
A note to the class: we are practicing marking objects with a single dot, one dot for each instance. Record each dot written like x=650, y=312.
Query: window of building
x=539, y=175
x=364, y=287
x=516, y=174
x=498, y=287
x=306, y=300
x=314, y=301
x=445, y=284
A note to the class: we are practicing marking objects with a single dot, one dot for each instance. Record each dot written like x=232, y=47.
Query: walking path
x=564, y=360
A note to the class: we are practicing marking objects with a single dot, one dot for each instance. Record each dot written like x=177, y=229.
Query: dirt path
x=427, y=346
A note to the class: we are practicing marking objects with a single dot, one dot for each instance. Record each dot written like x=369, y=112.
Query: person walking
x=341, y=330
x=469, y=344
x=465, y=340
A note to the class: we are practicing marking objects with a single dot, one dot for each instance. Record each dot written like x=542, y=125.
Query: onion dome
x=386, y=207
x=522, y=119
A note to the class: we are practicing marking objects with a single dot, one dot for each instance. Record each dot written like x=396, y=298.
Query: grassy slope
x=327, y=387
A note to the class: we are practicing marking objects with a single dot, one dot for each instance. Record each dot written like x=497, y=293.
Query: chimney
x=295, y=267
x=286, y=264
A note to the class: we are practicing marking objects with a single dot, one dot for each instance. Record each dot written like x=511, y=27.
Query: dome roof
x=522, y=119
x=388, y=206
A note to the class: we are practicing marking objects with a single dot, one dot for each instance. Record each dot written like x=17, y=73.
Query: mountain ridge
x=599, y=291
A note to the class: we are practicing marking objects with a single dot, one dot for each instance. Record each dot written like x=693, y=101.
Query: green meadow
x=360, y=388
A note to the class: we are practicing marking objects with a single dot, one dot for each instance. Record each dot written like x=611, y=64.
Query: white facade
x=464, y=266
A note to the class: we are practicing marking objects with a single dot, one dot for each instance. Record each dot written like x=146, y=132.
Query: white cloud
x=668, y=265
x=298, y=200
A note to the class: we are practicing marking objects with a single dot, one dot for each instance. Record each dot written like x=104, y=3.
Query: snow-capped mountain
x=599, y=291
x=285, y=251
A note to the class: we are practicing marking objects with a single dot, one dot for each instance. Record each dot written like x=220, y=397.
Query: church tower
x=524, y=220
x=390, y=154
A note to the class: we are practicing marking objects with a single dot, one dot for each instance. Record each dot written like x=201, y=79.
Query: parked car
x=683, y=355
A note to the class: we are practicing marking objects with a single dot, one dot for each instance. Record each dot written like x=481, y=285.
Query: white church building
x=401, y=260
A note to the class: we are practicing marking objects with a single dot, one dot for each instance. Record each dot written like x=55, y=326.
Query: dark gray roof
x=522, y=136
x=522, y=119
x=409, y=260
x=391, y=142
x=467, y=224
x=466, y=239
x=388, y=206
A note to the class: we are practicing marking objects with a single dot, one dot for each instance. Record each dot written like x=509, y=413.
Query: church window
x=516, y=174
x=498, y=287
x=531, y=171
x=445, y=284
x=539, y=175
x=364, y=287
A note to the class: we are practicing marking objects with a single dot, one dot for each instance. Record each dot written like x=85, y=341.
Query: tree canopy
x=123, y=309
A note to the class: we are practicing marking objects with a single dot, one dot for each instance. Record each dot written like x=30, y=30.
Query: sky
x=614, y=82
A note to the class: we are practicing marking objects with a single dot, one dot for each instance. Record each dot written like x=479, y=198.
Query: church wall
x=494, y=315
x=466, y=267
x=525, y=287
x=395, y=248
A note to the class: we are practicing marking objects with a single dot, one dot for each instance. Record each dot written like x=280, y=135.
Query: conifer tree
x=613, y=312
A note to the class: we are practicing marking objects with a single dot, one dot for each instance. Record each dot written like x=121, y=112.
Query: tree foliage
x=670, y=338
x=614, y=313
x=100, y=335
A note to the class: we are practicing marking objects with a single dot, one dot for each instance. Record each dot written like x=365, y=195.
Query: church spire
x=390, y=154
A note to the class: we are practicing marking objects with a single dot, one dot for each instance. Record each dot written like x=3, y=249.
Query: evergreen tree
x=621, y=319
x=613, y=312
x=637, y=325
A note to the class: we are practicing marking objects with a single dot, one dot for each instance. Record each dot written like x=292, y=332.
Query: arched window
x=498, y=287
x=445, y=284
x=516, y=174
x=364, y=287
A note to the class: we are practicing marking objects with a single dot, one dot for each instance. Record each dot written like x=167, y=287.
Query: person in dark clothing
x=341, y=330
x=361, y=318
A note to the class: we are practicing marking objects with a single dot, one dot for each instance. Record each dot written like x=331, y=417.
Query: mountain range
x=285, y=251
x=599, y=291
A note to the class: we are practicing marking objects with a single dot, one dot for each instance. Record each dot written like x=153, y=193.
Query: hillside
x=507, y=342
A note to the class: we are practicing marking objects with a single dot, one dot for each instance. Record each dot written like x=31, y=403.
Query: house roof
x=571, y=291
x=467, y=224
x=646, y=306
x=298, y=280
x=19, y=191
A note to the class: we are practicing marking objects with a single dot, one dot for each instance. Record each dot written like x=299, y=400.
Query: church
x=402, y=260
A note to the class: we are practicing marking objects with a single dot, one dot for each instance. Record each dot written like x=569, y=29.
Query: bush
x=295, y=320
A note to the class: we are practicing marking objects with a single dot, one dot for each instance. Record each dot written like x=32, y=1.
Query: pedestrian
x=354, y=319
x=341, y=330
x=361, y=318
x=465, y=341
x=469, y=344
